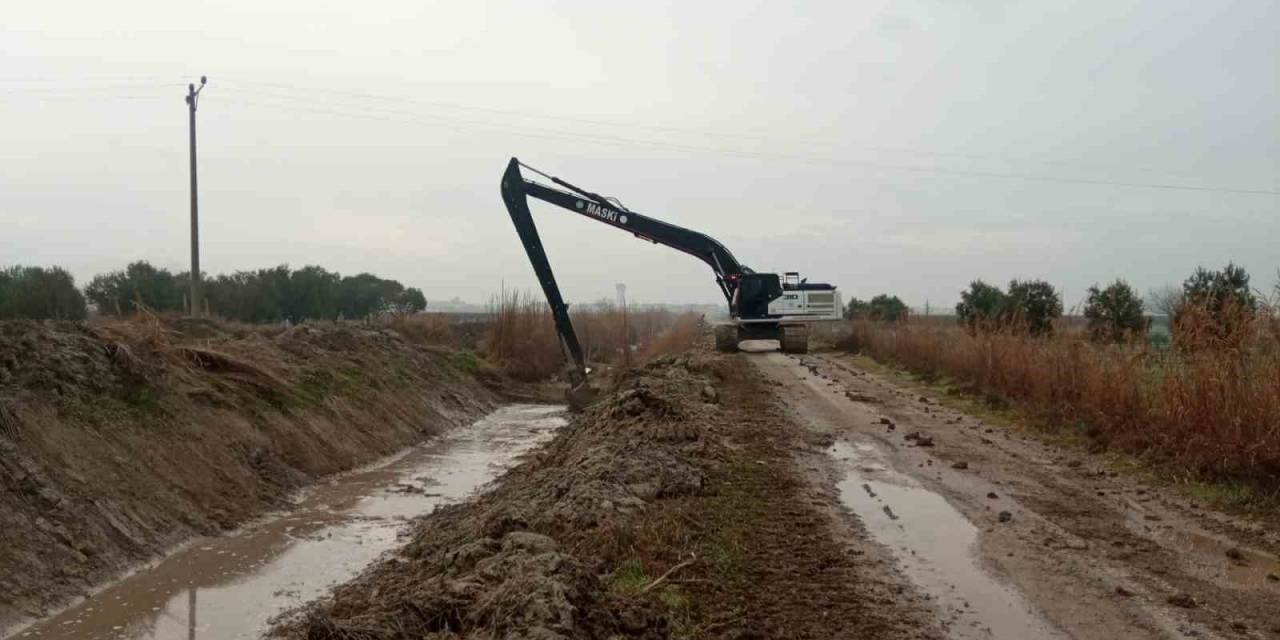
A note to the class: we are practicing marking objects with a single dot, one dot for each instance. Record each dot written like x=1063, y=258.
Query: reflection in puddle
x=935, y=546
x=229, y=586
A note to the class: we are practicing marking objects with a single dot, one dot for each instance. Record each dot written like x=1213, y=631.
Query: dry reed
x=1213, y=410
x=521, y=337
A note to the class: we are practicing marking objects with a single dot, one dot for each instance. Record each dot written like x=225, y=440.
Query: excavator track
x=794, y=339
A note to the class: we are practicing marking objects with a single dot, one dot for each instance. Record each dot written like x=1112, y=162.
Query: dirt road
x=1010, y=537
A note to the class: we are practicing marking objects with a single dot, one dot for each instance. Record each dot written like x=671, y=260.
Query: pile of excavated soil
x=120, y=440
x=673, y=507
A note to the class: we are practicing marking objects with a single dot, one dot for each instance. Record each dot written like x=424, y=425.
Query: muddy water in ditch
x=936, y=546
x=230, y=586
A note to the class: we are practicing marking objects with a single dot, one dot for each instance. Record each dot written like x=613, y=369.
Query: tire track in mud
x=1100, y=554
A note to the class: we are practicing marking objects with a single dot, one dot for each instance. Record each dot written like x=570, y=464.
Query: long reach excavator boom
x=751, y=296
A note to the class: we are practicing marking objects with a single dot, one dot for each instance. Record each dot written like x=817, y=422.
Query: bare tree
x=1165, y=300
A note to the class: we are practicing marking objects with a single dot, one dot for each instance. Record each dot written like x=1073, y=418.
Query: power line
x=365, y=111
x=441, y=120
x=294, y=88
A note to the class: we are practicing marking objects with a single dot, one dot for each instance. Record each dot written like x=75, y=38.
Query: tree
x=1216, y=306
x=138, y=283
x=887, y=308
x=1035, y=303
x=40, y=293
x=409, y=301
x=856, y=309
x=1165, y=300
x=1219, y=291
x=265, y=295
x=882, y=308
x=981, y=303
x=312, y=292
x=1115, y=314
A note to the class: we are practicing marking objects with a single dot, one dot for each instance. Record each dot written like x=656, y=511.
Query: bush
x=883, y=308
x=981, y=304
x=38, y=293
x=1216, y=308
x=1115, y=314
x=1035, y=304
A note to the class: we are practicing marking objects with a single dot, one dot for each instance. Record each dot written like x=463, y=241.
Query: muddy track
x=1089, y=552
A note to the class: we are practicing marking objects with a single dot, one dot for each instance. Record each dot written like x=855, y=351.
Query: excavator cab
x=755, y=292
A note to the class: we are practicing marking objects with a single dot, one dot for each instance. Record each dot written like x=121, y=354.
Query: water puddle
x=1242, y=567
x=230, y=586
x=935, y=545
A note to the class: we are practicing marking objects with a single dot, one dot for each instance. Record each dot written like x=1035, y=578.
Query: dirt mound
x=511, y=564
x=119, y=440
x=659, y=512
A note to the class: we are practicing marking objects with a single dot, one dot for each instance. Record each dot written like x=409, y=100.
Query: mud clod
x=710, y=394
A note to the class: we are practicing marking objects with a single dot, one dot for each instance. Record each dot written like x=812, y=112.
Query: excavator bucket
x=581, y=396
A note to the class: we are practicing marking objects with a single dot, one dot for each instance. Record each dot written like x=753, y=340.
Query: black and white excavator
x=762, y=306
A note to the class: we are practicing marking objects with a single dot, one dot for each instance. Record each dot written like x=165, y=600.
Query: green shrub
x=1034, y=304
x=883, y=307
x=1116, y=313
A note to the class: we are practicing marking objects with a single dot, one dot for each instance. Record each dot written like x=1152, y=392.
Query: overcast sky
x=897, y=146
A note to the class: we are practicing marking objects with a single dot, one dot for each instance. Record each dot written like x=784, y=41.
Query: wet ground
x=935, y=545
x=230, y=586
x=1011, y=536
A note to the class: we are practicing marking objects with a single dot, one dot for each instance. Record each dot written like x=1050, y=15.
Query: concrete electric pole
x=197, y=302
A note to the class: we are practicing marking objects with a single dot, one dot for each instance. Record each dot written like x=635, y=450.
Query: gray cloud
x=841, y=139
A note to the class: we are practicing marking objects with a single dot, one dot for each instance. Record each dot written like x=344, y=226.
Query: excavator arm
x=516, y=190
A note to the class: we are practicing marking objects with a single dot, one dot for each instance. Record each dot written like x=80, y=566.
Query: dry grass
x=682, y=335
x=1215, y=411
x=424, y=328
x=521, y=337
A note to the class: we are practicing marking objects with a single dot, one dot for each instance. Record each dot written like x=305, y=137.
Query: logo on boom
x=604, y=213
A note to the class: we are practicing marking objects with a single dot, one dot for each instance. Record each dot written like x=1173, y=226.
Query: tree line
x=1210, y=306
x=263, y=295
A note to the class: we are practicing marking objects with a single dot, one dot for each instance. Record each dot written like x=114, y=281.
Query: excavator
x=762, y=306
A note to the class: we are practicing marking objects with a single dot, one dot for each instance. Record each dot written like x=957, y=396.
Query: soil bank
x=119, y=441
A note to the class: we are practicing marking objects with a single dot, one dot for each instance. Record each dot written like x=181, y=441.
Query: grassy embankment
x=1211, y=413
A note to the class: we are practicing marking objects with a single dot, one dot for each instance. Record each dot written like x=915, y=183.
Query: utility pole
x=196, y=301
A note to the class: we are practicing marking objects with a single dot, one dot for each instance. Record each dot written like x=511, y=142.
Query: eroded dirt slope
x=118, y=441
x=683, y=504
